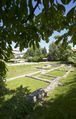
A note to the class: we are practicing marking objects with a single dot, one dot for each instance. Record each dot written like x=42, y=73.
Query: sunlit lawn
x=23, y=69
x=56, y=73
x=60, y=103
x=46, y=77
x=66, y=67
x=25, y=82
x=19, y=70
x=30, y=83
x=43, y=77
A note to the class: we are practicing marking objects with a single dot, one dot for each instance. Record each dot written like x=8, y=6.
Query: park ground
x=59, y=104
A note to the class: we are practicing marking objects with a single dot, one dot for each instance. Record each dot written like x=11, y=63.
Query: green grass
x=45, y=68
x=32, y=84
x=56, y=73
x=23, y=69
x=66, y=67
x=19, y=70
x=45, y=77
x=29, y=83
x=60, y=103
x=37, y=74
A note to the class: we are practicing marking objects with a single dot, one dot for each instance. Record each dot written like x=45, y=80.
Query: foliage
x=20, y=24
x=74, y=58
x=35, y=55
x=36, y=58
x=17, y=106
x=11, y=56
x=54, y=52
x=70, y=60
x=70, y=22
x=58, y=52
x=44, y=51
x=29, y=53
x=2, y=79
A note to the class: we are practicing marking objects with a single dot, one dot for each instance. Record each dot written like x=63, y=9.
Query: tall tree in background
x=58, y=52
x=29, y=53
x=35, y=54
x=54, y=52
x=44, y=51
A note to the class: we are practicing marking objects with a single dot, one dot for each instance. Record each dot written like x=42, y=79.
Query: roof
x=73, y=49
x=17, y=52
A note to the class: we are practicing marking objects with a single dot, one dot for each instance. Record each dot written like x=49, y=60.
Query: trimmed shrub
x=36, y=59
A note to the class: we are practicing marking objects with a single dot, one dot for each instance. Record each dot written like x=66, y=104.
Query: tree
x=29, y=53
x=11, y=56
x=54, y=52
x=44, y=51
x=35, y=55
x=58, y=52
x=20, y=24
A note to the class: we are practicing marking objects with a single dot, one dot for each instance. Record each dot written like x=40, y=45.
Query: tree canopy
x=36, y=55
x=57, y=52
x=20, y=24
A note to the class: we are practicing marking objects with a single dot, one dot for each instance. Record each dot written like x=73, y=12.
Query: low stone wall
x=50, y=76
x=39, y=94
x=37, y=78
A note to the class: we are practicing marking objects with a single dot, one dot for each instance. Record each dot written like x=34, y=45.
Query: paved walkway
x=55, y=82
x=26, y=63
x=42, y=71
x=22, y=76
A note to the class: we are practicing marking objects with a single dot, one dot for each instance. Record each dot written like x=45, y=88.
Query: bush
x=74, y=58
x=70, y=60
x=17, y=107
x=36, y=59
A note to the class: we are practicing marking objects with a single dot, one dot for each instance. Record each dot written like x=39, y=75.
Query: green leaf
x=66, y=1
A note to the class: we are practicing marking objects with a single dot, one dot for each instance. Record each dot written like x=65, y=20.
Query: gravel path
x=26, y=63
x=55, y=82
x=22, y=76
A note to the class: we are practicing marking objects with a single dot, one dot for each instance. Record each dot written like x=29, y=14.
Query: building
x=74, y=50
x=17, y=53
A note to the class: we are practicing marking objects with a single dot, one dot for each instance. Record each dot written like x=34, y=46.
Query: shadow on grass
x=63, y=106
x=17, y=106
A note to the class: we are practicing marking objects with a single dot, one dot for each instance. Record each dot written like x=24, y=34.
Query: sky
x=52, y=39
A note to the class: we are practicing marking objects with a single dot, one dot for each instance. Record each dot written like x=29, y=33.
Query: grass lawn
x=45, y=77
x=30, y=83
x=19, y=70
x=56, y=73
x=37, y=74
x=23, y=69
x=66, y=67
x=60, y=103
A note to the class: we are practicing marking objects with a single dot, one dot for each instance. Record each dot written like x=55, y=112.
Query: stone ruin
x=37, y=95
